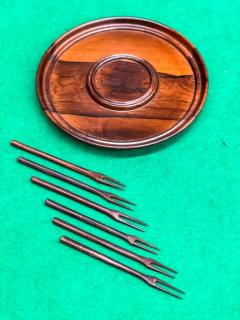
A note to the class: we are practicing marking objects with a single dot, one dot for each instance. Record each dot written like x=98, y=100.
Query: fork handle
x=101, y=241
x=60, y=176
x=47, y=156
x=80, y=247
x=57, y=206
x=73, y=196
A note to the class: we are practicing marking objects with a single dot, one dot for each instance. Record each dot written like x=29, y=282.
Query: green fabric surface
x=186, y=188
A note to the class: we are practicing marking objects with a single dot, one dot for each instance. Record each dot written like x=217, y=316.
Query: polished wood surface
x=122, y=82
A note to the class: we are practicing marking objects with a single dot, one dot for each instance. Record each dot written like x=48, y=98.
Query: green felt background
x=187, y=188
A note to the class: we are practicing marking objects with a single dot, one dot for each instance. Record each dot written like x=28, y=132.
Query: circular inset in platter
x=122, y=82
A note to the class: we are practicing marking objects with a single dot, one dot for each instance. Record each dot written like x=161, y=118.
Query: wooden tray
x=122, y=82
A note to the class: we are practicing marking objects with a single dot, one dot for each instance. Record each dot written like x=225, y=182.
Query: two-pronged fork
x=116, y=215
x=99, y=177
x=152, y=281
x=147, y=262
x=133, y=240
x=110, y=197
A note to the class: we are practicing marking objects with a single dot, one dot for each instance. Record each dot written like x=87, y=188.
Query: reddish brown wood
x=122, y=82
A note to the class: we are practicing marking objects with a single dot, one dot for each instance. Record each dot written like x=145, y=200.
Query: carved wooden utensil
x=122, y=82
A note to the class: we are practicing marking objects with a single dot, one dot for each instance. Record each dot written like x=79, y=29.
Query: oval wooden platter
x=122, y=82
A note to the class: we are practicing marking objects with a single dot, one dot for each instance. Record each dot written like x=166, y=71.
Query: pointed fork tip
x=161, y=271
x=118, y=200
x=167, y=292
x=119, y=204
x=170, y=269
x=150, y=245
x=149, y=250
x=131, y=225
x=112, y=182
x=143, y=246
x=176, y=296
x=178, y=290
x=132, y=219
x=116, y=197
x=115, y=181
x=157, y=264
x=129, y=202
x=109, y=184
x=168, y=286
x=146, y=249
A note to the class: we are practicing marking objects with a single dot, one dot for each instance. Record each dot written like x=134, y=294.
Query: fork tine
x=114, y=196
x=146, y=243
x=114, y=181
x=144, y=248
x=111, y=182
x=104, y=194
x=89, y=173
x=129, y=224
x=116, y=215
x=156, y=263
x=168, y=285
x=124, y=215
x=108, y=260
x=118, y=203
x=166, y=291
x=136, y=244
x=150, y=266
x=121, y=205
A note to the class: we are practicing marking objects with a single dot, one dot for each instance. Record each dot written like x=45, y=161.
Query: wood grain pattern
x=122, y=83
x=122, y=80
